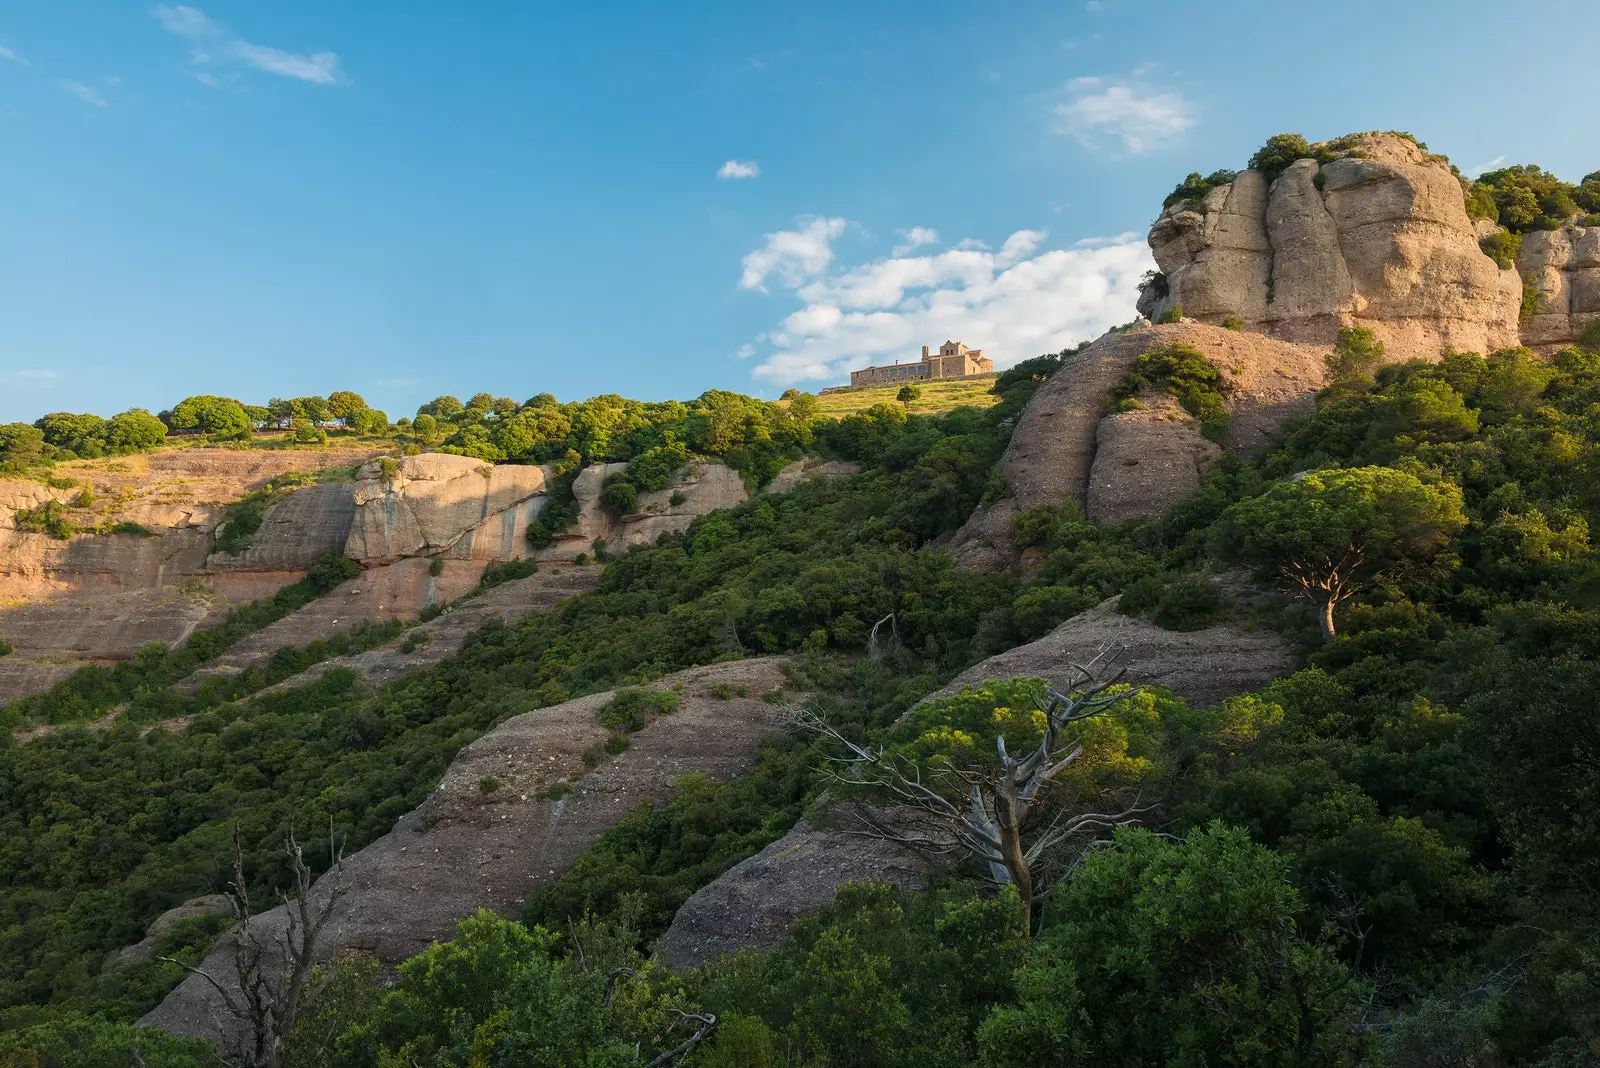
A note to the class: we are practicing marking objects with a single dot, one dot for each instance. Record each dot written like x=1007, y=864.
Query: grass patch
x=933, y=398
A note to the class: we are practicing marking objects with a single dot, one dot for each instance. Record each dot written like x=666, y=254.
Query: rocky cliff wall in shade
x=1377, y=238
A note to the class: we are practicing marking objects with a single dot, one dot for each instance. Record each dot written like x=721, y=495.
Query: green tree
x=908, y=394
x=1176, y=954
x=342, y=404
x=367, y=421
x=1274, y=157
x=1357, y=355
x=220, y=417
x=442, y=407
x=20, y=445
x=1331, y=533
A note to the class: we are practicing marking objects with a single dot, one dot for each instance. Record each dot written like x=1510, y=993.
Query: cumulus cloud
x=1014, y=303
x=84, y=93
x=915, y=238
x=794, y=256
x=1138, y=118
x=735, y=169
x=215, y=47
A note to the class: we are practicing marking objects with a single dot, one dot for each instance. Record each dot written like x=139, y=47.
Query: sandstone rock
x=1146, y=459
x=1053, y=449
x=752, y=904
x=807, y=469
x=293, y=532
x=208, y=905
x=435, y=501
x=485, y=839
x=1377, y=238
x=1564, y=265
x=702, y=487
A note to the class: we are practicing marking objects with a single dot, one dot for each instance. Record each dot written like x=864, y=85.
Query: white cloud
x=793, y=255
x=7, y=54
x=29, y=376
x=1477, y=169
x=213, y=45
x=738, y=168
x=915, y=238
x=1141, y=119
x=84, y=93
x=1015, y=303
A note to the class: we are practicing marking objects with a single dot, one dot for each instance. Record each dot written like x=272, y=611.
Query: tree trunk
x=1008, y=823
x=1326, y=619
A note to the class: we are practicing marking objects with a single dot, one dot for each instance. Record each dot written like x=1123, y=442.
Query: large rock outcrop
x=754, y=902
x=1069, y=446
x=1377, y=237
x=1564, y=266
x=490, y=835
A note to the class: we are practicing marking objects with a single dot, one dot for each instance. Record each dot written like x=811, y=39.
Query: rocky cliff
x=1069, y=445
x=1373, y=233
x=424, y=527
x=1563, y=268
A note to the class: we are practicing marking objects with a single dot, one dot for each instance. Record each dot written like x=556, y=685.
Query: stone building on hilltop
x=953, y=360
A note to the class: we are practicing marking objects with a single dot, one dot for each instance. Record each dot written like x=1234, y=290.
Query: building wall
x=952, y=361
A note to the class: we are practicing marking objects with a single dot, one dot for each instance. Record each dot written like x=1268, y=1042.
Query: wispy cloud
x=1139, y=118
x=1015, y=302
x=20, y=377
x=215, y=47
x=735, y=169
x=915, y=238
x=11, y=57
x=84, y=93
x=794, y=256
x=1479, y=168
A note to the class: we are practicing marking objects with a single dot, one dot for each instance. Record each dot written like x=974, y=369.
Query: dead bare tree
x=273, y=973
x=982, y=811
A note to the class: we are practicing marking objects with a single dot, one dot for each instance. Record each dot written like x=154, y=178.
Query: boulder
x=1145, y=459
x=207, y=905
x=1053, y=451
x=1377, y=237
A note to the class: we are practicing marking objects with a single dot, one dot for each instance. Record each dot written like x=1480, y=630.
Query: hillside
x=591, y=696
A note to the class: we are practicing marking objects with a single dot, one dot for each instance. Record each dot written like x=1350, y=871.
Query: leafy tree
x=1274, y=157
x=308, y=433
x=1357, y=355
x=207, y=414
x=342, y=404
x=425, y=425
x=20, y=445
x=442, y=407
x=1174, y=954
x=1527, y=197
x=82, y=434
x=368, y=421
x=908, y=394
x=1331, y=533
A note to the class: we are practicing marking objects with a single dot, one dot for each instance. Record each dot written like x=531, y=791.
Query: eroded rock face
x=437, y=502
x=1055, y=448
x=1564, y=265
x=753, y=903
x=487, y=839
x=1378, y=238
x=1144, y=459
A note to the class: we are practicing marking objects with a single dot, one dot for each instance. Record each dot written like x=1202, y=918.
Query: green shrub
x=488, y=784
x=539, y=536
x=1357, y=355
x=436, y=566
x=6, y=648
x=617, y=743
x=47, y=518
x=1274, y=157
x=908, y=394
x=1233, y=322
x=85, y=498
x=1173, y=314
x=1190, y=603
x=330, y=568
x=1531, y=300
x=495, y=574
x=1183, y=371
x=619, y=497
x=677, y=499
x=558, y=789
x=632, y=706
x=1589, y=338
x=1502, y=247
x=722, y=691
x=1193, y=189
x=430, y=612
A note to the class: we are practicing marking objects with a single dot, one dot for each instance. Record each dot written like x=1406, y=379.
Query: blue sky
x=406, y=198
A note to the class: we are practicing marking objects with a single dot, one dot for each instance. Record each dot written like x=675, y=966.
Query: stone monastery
x=953, y=360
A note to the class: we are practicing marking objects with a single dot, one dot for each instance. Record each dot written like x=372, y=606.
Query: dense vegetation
x=1388, y=855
